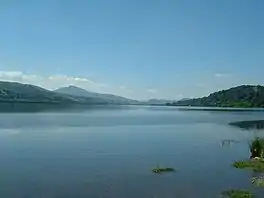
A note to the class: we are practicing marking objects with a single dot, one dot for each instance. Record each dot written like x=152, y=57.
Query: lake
x=109, y=153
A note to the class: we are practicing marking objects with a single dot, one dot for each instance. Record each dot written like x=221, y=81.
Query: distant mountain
x=18, y=92
x=108, y=98
x=183, y=99
x=12, y=91
x=157, y=102
x=241, y=96
x=162, y=101
x=73, y=90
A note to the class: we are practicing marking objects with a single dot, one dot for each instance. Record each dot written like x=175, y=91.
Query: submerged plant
x=237, y=194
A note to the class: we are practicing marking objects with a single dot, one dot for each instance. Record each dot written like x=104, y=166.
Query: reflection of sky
x=110, y=154
x=4, y=132
x=124, y=116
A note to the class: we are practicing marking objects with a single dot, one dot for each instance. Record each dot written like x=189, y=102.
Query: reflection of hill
x=8, y=107
x=253, y=124
x=31, y=107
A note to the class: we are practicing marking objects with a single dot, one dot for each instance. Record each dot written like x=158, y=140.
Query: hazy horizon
x=135, y=49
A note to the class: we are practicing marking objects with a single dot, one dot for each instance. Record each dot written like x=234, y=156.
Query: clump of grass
x=258, y=181
x=237, y=194
x=256, y=161
x=162, y=170
x=253, y=164
x=256, y=148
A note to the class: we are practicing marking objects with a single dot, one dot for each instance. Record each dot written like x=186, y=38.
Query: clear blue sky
x=139, y=49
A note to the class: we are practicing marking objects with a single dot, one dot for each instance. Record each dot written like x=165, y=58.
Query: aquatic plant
x=237, y=194
x=258, y=181
x=162, y=170
x=256, y=148
x=256, y=165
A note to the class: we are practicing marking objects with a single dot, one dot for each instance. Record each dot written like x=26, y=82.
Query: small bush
x=258, y=181
x=256, y=148
x=255, y=165
x=162, y=170
x=237, y=194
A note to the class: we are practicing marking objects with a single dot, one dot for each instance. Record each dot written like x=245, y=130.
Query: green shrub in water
x=162, y=170
x=256, y=148
x=256, y=165
x=258, y=181
x=237, y=194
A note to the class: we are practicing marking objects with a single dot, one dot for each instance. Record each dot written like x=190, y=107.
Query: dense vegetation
x=241, y=96
x=255, y=162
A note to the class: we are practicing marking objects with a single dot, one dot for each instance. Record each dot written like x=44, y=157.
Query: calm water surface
x=110, y=153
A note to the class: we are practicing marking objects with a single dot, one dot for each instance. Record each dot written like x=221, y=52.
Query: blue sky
x=139, y=49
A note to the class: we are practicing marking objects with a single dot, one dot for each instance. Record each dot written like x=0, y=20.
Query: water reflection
x=6, y=107
x=219, y=109
x=248, y=125
x=228, y=142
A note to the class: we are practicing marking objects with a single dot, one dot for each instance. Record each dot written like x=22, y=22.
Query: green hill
x=18, y=92
x=107, y=98
x=242, y=96
x=13, y=92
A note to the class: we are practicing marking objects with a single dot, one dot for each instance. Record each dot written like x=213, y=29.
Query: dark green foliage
x=258, y=181
x=255, y=165
x=237, y=194
x=162, y=170
x=244, y=96
x=256, y=148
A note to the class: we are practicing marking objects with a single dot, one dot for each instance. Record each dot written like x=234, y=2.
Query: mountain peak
x=77, y=91
x=72, y=90
x=73, y=87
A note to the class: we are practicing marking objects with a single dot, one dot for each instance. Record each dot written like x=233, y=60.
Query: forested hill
x=107, y=98
x=241, y=96
x=14, y=92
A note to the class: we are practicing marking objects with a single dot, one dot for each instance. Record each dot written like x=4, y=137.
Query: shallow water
x=109, y=153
